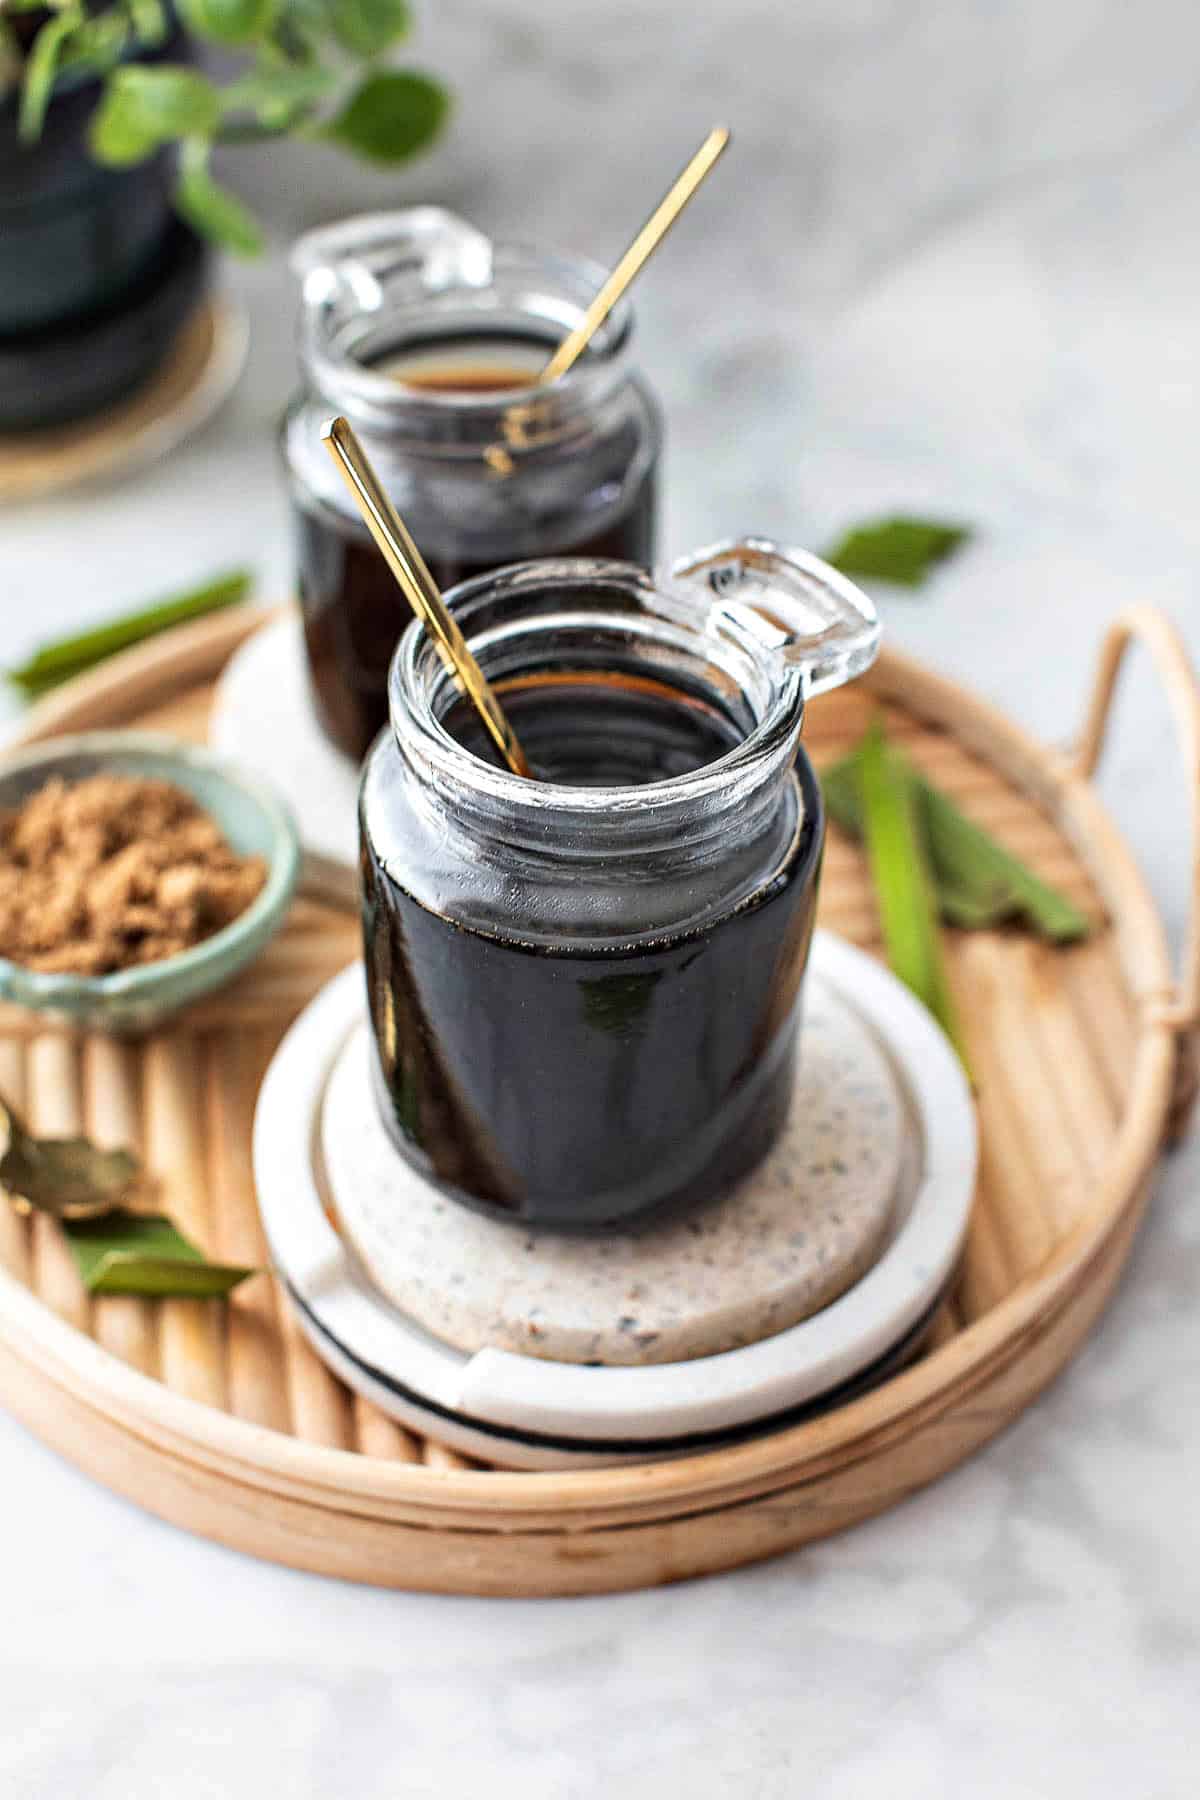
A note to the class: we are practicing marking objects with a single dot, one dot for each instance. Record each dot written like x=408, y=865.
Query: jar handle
x=820, y=623
x=355, y=253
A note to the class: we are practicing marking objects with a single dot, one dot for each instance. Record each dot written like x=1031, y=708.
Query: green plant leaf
x=56, y=662
x=131, y=1253
x=368, y=27
x=115, y=136
x=277, y=95
x=169, y=100
x=972, y=862
x=211, y=208
x=390, y=116
x=230, y=21
x=900, y=550
x=904, y=892
x=99, y=43
x=979, y=883
x=149, y=20
x=296, y=37
x=41, y=70
x=967, y=911
x=70, y=1178
x=144, y=108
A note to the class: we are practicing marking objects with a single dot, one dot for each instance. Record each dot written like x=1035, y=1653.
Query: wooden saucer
x=197, y=376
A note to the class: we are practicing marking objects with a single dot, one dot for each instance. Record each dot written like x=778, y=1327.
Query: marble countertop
x=950, y=265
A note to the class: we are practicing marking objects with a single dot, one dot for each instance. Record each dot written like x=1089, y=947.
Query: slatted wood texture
x=219, y=1415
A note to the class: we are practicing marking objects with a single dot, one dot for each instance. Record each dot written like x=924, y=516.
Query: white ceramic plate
x=609, y=1412
x=263, y=718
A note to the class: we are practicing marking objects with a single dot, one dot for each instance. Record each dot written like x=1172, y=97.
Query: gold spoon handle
x=421, y=590
x=643, y=246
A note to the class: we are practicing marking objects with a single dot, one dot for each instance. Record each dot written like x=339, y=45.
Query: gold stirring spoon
x=642, y=247
x=420, y=589
x=517, y=421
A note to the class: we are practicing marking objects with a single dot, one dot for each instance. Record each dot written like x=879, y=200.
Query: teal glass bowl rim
x=37, y=988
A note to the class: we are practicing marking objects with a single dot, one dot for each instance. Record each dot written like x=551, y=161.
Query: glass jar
x=585, y=989
x=426, y=335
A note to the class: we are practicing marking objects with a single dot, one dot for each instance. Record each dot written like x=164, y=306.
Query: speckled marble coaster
x=788, y=1240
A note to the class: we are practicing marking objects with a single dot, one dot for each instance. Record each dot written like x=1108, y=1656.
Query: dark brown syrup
x=353, y=611
x=588, y=1088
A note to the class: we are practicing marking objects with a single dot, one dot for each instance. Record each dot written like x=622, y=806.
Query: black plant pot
x=93, y=360
x=96, y=273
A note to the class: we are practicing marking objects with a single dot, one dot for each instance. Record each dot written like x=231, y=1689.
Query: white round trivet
x=789, y=1239
x=528, y=1412
x=263, y=717
x=507, y=1447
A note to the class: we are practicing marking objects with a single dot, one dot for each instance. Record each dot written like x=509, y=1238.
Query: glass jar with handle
x=428, y=337
x=585, y=989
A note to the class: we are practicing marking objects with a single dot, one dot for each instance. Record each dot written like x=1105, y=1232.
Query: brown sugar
x=113, y=871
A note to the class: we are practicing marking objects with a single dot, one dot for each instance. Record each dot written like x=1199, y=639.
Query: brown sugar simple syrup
x=542, y=1081
x=353, y=612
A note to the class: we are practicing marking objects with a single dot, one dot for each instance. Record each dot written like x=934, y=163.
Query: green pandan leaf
x=66, y=657
x=390, y=116
x=211, y=208
x=979, y=883
x=971, y=862
x=970, y=913
x=901, y=550
x=131, y=1253
x=904, y=891
x=89, y=1191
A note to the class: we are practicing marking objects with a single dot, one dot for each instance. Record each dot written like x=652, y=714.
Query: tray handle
x=1178, y=1010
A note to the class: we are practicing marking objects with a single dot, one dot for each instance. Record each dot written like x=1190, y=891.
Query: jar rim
x=348, y=381
x=729, y=781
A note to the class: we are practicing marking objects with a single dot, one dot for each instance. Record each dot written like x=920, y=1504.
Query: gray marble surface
x=952, y=264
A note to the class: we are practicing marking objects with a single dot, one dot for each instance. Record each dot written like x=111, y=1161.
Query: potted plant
x=107, y=200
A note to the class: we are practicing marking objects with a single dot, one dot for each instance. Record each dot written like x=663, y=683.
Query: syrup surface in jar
x=589, y=1085
x=481, y=377
x=352, y=610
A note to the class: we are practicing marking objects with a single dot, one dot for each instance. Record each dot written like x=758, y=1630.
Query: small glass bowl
x=252, y=819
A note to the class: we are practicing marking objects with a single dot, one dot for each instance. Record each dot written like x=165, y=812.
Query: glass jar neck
x=572, y=616
x=373, y=313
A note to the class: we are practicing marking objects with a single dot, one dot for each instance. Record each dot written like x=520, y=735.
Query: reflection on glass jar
x=428, y=337
x=585, y=989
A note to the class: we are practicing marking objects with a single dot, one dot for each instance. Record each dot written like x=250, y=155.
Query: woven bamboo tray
x=219, y=1417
